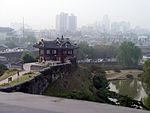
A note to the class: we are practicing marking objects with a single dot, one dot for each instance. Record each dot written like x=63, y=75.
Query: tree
x=128, y=54
x=28, y=57
x=3, y=68
x=97, y=51
x=11, y=44
x=99, y=79
x=146, y=76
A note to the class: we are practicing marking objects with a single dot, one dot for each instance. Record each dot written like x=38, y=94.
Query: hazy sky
x=42, y=13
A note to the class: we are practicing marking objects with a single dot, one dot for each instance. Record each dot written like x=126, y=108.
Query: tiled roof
x=56, y=44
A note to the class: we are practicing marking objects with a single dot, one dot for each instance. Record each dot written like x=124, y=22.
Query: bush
x=80, y=95
x=100, y=82
x=129, y=76
x=3, y=68
x=117, y=70
x=28, y=57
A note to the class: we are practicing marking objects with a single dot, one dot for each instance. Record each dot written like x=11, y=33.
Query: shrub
x=3, y=68
x=100, y=82
x=28, y=57
x=117, y=70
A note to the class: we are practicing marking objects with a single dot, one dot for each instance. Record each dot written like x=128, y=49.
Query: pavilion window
x=70, y=52
x=54, y=51
x=41, y=52
x=47, y=51
x=64, y=52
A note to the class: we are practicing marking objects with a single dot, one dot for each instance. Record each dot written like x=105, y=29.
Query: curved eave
x=41, y=47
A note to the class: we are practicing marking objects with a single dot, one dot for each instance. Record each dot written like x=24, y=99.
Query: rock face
x=40, y=82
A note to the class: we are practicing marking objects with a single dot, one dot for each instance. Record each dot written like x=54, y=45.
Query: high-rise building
x=61, y=22
x=65, y=22
x=72, y=23
x=120, y=27
x=105, y=23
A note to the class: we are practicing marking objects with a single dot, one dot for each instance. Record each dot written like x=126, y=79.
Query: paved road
x=26, y=103
x=5, y=108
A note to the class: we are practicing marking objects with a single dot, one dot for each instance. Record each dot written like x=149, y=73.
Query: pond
x=132, y=88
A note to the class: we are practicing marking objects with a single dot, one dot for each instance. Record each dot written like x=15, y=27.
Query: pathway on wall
x=26, y=103
x=26, y=68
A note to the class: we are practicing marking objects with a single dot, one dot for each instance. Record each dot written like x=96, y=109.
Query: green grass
x=8, y=73
x=21, y=79
x=77, y=81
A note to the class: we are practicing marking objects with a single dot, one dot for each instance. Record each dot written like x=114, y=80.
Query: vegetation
x=147, y=102
x=21, y=79
x=128, y=54
x=146, y=79
x=100, y=82
x=78, y=81
x=10, y=45
x=28, y=57
x=8, y=73
x=29, y=39
x=89, y=83
x=97, y=51
x=3, y=68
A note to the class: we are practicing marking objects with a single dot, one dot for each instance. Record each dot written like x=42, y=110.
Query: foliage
x=79, y=85
x=105, y=95
x=3, y=68
x=147, y=102
x=146, y=77
x=99, y=79
x=11, y=44
x=80, y=95
x=100, y=82
x=128, y=54
x=130, y=102
x=20, y=79
x=8, y=73
x=28, y=57
x=117, y=70
x=97, y=51
x=29, y=39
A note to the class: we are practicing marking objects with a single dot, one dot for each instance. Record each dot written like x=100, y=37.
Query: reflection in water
x=132, y=88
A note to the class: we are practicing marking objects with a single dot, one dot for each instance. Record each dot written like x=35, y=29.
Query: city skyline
x=41, y=14
x=66, y=22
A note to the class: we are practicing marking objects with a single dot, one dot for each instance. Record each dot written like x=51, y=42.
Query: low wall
x=39, y=83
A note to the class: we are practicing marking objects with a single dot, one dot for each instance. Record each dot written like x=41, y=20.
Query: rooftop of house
x=27, y=103
x=58, y=43
x=5, y=29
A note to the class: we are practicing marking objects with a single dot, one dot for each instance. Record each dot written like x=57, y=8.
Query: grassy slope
x=8, y=73
x=19, y=80
x=77, y=80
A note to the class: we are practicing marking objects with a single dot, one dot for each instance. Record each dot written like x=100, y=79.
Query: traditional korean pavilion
x=61, y=49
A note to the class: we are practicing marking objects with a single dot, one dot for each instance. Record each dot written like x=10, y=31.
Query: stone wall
x=40, y=82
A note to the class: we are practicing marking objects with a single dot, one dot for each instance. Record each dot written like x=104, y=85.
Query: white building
x=61, y=22
x=6, y=32
x=72, y=23
x=65, y=22
x=122, y=27
x=105, y=23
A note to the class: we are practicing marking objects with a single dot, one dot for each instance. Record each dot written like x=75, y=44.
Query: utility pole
x=23, y=28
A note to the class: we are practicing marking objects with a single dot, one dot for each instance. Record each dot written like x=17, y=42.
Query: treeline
x=127, y=54
x=97, y=51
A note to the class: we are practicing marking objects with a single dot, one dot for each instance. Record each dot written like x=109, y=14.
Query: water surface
x=132, y=88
